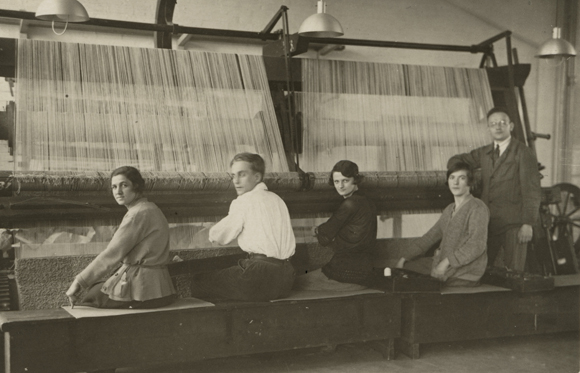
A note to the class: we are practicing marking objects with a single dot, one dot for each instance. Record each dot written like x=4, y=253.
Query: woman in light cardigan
x=140, y=246
x=461, y=258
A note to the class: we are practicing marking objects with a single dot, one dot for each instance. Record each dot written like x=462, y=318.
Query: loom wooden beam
x=164, y=15
x=24, y=210
x=398, y=44
x=498, y=76
x=8, y=57
x=502, y=79
x=298, y=45
x=24, y=28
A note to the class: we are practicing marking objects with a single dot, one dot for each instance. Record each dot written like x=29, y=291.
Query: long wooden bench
x=54, y=341
x=487, y=312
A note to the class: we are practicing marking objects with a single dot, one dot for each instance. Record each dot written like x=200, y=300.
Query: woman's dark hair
x=256, y=162
x=347, y=169
x=132, y=174
x=459, y=166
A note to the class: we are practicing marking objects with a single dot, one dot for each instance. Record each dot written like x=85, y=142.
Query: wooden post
x=6, y=352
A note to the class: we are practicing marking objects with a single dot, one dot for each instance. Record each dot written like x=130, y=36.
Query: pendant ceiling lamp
x=556, y=47
x=321, y=24
x=62, y=11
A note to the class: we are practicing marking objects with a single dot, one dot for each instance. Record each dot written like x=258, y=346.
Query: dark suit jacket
x=511, y=189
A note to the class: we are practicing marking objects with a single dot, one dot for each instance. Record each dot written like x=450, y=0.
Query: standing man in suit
x=511, y=190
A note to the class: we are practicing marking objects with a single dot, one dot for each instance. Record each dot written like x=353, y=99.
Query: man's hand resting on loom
x=73, y=291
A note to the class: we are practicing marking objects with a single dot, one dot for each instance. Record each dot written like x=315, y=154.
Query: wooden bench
x=473, y=313
x=54, y=341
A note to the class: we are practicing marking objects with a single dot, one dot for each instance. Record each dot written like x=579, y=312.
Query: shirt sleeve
x=127, y=236
x=476, y=242
x=328, y=231
x=227, y=229
x=472, y=158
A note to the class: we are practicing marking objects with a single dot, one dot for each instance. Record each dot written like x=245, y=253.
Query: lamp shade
x=321, y=25
x=556, y=47
x=62, y=10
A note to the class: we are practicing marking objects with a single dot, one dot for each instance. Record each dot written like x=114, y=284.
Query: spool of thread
x=387, y=272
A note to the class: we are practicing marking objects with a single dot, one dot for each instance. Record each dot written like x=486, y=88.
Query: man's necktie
x=495, y=156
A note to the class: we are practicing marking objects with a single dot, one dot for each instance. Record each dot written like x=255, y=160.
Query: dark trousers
x=354, y=268
x=254, y=279
x=96, y=298
x=514, y=253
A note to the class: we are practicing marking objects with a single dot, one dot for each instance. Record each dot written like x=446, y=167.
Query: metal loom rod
x=399, y=44
x=177, y=29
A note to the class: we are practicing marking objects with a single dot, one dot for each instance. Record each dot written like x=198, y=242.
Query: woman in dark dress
x=350, y=233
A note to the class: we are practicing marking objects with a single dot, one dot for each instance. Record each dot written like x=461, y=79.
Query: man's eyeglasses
x=501, y=123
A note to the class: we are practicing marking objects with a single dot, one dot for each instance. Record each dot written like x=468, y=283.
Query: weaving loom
x=180, y=116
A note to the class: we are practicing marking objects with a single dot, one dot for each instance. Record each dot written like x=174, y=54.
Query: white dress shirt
x=502, y=145
x=261, y=222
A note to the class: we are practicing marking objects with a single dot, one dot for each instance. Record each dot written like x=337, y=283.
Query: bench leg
x=7, y=368
x=408, y=348
x=385, y=347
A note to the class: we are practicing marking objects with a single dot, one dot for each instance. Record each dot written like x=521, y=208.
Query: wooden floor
x=530, y=354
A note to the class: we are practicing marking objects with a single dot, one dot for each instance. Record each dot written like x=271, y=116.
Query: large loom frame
x=305, y=193
x=300, y=190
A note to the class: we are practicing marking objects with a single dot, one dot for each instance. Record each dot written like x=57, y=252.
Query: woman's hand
x=401, y=263
x=439, y=271
x=315, y=231
x=73, y=291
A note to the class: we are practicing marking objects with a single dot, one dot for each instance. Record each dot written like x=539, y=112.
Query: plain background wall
x=461, y=22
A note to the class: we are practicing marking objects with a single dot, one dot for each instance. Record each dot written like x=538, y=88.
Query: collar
x=502, y=145
x=259, y=187
x=138, y=202
x=465, y=200
x=352, y=194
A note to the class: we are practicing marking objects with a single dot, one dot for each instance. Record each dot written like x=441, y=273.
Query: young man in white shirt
x=259, y=219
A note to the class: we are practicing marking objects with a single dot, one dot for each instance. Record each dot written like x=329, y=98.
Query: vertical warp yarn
x=88, y=107
x=390, y=117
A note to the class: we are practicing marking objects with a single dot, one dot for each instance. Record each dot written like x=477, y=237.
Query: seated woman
x=461, y=258
x=350, y=233
x=140, y=244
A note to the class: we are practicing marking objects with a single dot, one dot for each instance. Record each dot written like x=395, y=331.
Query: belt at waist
x=267, y=258
x=158, y=266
